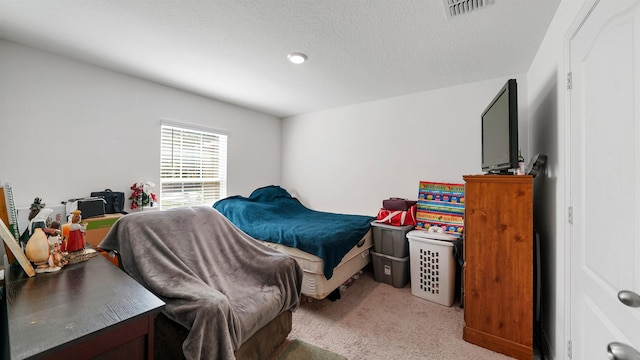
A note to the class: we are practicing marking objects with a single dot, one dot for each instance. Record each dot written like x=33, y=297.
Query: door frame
x=565, y=348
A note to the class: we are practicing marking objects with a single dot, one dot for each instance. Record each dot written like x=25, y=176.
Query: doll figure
x=56, y=260
x=53, y=231
x=75, y=241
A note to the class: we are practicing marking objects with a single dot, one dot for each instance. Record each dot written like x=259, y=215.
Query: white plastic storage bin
x=433, y=266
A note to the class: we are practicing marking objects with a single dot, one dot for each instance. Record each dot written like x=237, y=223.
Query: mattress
x=314, y=283
x=271, y=214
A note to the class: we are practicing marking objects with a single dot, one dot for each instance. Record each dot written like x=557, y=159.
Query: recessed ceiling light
x=297, y=58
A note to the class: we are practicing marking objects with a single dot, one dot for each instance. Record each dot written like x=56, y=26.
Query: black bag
x=396, y=203
x=114, y=200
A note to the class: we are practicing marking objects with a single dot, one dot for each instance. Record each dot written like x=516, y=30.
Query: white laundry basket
x=433, y=267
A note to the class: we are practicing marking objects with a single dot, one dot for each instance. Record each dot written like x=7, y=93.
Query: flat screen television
x=500, y=131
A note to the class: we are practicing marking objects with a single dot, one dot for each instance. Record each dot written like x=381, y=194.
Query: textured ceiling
x=235, y=50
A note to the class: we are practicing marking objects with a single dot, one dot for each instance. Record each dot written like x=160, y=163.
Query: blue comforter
x=271, y=214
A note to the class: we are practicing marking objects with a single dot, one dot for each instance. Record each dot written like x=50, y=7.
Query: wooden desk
x=86, y=310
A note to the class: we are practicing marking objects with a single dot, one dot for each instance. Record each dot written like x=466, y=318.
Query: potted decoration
x=141, y=195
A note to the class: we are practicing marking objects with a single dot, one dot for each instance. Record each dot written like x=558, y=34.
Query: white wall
x=547, y=96
x=68, y=128
x=349, y=159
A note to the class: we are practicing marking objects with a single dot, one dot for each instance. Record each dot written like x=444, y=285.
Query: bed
x=227, y=296
x=329, y=247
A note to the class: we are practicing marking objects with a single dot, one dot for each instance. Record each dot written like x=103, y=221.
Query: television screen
x=500, y=131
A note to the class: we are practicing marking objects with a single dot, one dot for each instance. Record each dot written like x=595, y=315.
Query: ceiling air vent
x=454, y=8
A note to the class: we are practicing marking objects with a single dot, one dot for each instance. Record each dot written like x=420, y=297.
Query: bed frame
x=314, y=283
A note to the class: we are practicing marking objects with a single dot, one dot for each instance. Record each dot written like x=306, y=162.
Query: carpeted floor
x=300, y=350
x=374, y=320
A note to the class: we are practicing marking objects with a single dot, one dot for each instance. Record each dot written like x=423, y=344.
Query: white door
x=605, y=182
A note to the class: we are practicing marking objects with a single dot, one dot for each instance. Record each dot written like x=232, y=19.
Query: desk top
x=51, y=310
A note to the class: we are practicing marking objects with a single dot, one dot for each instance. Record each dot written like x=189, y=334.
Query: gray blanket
x=217, y=281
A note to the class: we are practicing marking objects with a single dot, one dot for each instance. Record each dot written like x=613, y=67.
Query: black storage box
x=91, y=207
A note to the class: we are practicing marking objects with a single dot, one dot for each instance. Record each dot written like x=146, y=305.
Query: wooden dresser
x=87, y=310
x=498, y=263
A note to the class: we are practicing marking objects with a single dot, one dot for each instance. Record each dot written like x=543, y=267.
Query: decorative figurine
x=34, y=210
x=75, y=241
x=56, y=260
x=41, y=246
x=37, y=250
x=54, y=231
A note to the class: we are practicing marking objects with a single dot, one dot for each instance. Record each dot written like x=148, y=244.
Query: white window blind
x=193, y=167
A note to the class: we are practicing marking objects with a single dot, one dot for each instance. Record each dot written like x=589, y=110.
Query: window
x=193, y=166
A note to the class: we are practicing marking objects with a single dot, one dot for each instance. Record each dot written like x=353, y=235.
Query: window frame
x=168, y=199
